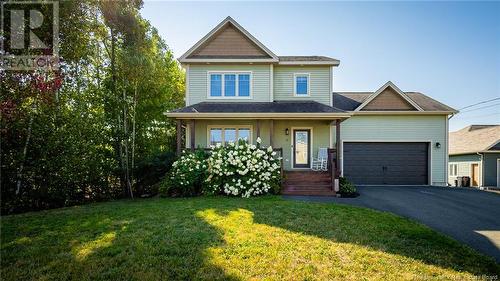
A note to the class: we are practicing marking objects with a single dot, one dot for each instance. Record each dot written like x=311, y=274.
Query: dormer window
x=230, y=85
x=301, y=84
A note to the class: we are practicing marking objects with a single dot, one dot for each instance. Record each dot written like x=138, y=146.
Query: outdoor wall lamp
x=287, y=132
x=438, y=145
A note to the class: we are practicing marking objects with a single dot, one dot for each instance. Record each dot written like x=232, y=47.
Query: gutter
x=382, y=112
x=254, y=115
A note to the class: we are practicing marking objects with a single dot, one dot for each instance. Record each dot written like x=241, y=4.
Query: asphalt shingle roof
x=474, y=138
x=306, y=58
x=260, y=107
x=351, y=100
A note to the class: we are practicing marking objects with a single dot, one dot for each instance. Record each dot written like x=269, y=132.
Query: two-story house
x=236, y=88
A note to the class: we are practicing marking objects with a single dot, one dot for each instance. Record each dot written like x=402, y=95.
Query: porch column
x=191, y=134
x=258, y=128
x=336, y=182
x=337, y=148
x=179, y=135
x=271, y=130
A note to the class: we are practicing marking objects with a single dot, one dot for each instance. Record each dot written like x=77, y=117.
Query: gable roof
x=236, y=31
x=381, y=106
x=229, y=42
x=475, y=138
x=349, y=101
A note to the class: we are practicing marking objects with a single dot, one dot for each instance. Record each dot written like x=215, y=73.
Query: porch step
x=307, y=187
x=309, y=183
x=309, y=192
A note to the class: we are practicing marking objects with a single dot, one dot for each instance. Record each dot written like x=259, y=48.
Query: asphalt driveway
x=468, y=215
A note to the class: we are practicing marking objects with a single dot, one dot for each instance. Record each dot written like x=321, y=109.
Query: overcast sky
x=447, y=50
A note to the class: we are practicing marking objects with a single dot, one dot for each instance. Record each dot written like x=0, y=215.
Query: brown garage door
x=404, y=163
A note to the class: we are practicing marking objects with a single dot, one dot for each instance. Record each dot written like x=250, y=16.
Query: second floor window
x=230, y=85
x=301, y=84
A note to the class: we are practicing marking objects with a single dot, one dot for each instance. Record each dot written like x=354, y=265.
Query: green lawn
x=228, y=238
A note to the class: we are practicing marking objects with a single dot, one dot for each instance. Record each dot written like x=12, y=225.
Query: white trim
x=492, y=145
x=429, y=149
x=332, y=63
x=310, y=147
x=381, y=89
x=451, y=170
x=331, y=86
x=271, y=82
x=186, y=95
x=217, y=28
x=229, y=126
x=330, y=128
x=223, y=73
x=295, y=75
x=447, y=156
x=395, y=112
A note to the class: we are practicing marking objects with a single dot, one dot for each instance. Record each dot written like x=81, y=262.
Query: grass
x=214, y=238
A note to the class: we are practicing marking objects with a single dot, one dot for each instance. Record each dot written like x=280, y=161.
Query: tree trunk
x=134, y=106
x=23, y=159
x=126, y=139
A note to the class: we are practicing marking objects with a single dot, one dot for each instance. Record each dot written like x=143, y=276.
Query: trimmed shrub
x=346, y=187
x=187, y=176
x=243, y=169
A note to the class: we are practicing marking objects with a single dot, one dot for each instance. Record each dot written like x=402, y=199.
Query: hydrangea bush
x=243, y=169
x=187, y=176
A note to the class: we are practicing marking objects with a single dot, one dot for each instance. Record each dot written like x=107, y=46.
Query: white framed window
x=229, y=85
x=228, y=133
x=301, y=84
x=453, y=170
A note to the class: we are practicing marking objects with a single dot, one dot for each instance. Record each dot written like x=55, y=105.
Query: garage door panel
x=386, y=163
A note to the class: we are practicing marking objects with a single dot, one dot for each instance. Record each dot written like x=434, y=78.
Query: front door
x=475, y=174
x=301, y=148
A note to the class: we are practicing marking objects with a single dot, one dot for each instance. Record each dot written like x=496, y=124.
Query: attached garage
x=390, y=163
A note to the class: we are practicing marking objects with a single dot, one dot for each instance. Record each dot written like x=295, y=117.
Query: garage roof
x=349, y=101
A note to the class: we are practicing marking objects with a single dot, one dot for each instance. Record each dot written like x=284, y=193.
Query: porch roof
x=276, y=109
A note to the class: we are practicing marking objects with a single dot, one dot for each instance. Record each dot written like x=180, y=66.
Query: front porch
x=296, y=141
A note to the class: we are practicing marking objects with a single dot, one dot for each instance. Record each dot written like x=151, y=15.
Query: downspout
x=481, y=184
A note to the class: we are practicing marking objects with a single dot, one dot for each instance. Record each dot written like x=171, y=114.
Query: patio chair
x=321, y=162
